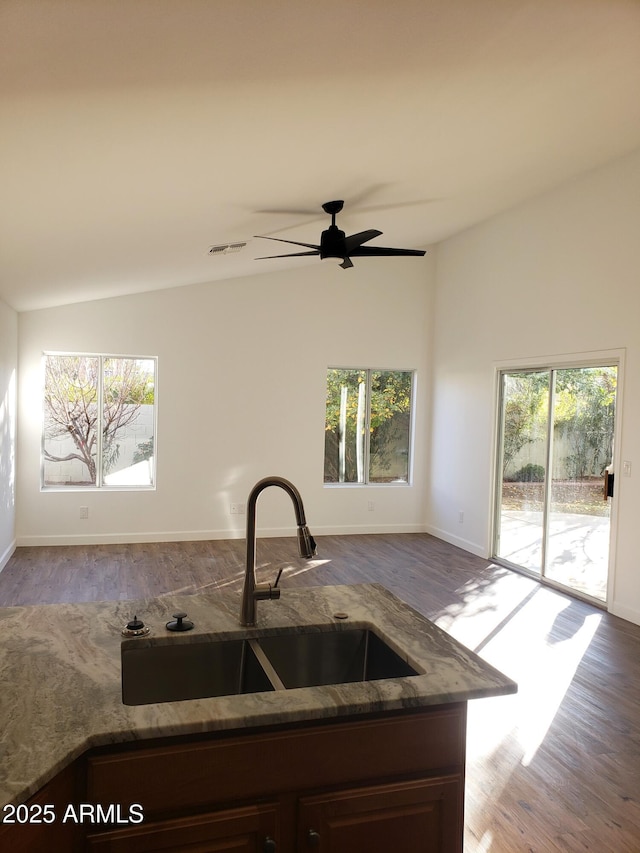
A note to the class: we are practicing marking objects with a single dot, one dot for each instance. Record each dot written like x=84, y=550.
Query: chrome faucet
x=252, y=591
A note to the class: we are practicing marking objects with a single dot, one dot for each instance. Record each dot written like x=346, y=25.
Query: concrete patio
x=577, y=548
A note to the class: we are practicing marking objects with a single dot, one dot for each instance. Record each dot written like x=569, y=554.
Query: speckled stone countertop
x=60, y=671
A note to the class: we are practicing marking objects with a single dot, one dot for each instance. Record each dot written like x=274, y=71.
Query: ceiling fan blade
x=346, y=264
x=293, y=242
x=290, y=255
x=383, y=251
x=393, y=205
x=353, y=241
x=289, y=211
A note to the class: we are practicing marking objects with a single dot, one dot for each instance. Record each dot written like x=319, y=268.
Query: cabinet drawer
x=252, y=766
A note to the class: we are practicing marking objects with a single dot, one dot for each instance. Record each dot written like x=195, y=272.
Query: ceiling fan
x=335, y=244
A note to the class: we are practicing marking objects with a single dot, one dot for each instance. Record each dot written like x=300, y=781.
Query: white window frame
x=100, y=485
x=369, y=371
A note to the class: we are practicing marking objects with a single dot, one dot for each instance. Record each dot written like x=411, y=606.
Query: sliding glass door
x=555, y=452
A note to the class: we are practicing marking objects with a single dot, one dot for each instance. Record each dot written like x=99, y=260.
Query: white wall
x=558, y=275
x=8, y=369
x=241, y=367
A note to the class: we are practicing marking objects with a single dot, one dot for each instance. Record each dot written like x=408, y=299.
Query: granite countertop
x=61, y=680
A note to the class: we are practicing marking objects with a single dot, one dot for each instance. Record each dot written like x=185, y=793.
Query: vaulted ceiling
x=135, y=134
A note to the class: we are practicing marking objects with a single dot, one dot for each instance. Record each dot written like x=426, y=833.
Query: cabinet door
x=418, y=816
x=37, y=833
x=244, y=830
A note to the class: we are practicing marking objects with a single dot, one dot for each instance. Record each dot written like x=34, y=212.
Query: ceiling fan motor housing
x=332, y=243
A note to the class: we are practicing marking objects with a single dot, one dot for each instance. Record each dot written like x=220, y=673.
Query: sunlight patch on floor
x=484, y=845
x=486, y=604
x=543, y=667
x=292, y=571
x=547, y=682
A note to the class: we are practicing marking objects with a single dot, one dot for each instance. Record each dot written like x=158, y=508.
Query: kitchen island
x=291, y=768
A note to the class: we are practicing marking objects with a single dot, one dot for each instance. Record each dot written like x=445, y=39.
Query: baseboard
x=625, y=613
x=458, y=541
x=200, y=535
x=7, y=554
x=360, y=529
x=129, y=538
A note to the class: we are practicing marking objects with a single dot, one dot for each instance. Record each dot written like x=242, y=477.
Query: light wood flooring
x=556, y=767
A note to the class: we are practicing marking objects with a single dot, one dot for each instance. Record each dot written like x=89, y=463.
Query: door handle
x=608, y=483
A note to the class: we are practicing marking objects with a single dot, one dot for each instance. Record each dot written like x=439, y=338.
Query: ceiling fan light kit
x=335, y=245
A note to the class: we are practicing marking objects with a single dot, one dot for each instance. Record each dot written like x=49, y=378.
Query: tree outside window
x=99, y=421
x=368, y=426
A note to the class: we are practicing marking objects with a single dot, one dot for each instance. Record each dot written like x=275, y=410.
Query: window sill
x=75, y=489
x=394, y=484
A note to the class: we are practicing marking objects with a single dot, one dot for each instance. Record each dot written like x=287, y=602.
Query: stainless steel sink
x=174, y=670
x=332, y=657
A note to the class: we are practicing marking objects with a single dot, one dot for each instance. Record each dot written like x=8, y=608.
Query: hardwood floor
x=556, y=767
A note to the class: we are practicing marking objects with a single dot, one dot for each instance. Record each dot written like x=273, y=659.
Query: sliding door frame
x=598, y=358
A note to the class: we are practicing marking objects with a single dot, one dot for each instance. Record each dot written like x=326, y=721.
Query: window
x=368, y=426
x=99, y=421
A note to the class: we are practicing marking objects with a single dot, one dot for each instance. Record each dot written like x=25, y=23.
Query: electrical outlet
x=236, y=509
x=84, y=512
x=626, y=469
x=461, y=517
x=371, y=506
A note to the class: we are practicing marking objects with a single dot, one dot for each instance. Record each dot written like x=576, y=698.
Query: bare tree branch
x=71, y=405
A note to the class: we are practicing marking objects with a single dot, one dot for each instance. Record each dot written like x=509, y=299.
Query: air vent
x=226, y=248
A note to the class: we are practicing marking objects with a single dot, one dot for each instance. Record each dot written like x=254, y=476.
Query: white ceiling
x=137, y=133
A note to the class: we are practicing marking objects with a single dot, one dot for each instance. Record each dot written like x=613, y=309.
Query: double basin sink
x=174, y=670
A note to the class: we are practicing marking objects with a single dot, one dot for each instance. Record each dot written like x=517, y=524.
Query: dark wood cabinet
x=29, y=830
x=244, y=830
x=421, y=816
x=393, y=782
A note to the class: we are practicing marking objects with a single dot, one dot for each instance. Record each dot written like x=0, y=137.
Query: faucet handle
x=264, y=591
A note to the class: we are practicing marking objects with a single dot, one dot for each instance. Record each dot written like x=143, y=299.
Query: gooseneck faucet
x=252, y=591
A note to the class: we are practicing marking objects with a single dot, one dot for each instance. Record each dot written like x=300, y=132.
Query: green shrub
x=529, y=473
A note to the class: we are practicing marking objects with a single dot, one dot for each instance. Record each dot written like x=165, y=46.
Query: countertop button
x=180, y=623
x=135, y=628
